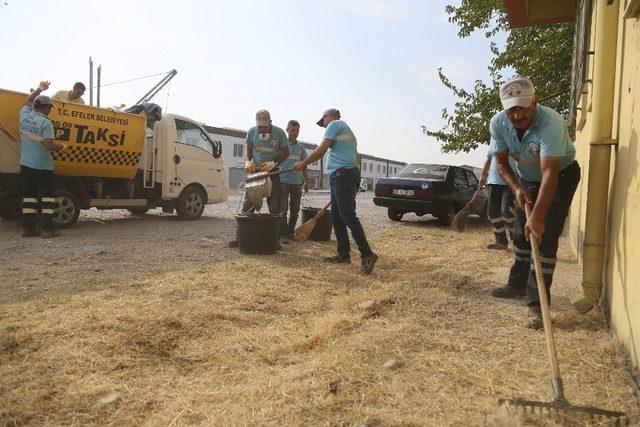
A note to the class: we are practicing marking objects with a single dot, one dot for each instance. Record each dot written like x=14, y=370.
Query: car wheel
x=67, y=209
x=191, y=203
x=394, y=214
x=138, y=211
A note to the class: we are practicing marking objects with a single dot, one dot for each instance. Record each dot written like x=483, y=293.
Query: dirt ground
x=151, y=320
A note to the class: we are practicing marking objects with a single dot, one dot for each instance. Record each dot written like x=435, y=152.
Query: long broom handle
x=556, y=381
x=322, y=211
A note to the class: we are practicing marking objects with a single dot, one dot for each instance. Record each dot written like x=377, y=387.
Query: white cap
x=263, y=118
x=518, y=91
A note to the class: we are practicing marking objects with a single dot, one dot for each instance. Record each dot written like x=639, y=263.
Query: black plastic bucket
x=322, y=231
x=258, y=234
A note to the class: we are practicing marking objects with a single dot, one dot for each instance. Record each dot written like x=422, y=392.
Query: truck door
x=198, y=159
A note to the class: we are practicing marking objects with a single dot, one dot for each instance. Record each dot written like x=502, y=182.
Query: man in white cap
x=267, y=147
x=36, y=165
x=342, y=166
x=538, y=139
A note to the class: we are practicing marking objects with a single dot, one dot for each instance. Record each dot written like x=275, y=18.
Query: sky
x=374, y=60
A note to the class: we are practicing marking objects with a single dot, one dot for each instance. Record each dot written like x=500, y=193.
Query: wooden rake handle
x=546, y=315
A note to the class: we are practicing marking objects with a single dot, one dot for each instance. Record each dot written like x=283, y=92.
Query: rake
x=304, y=231
x=559, y=404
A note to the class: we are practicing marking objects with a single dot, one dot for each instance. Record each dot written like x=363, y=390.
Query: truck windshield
x=416, y=170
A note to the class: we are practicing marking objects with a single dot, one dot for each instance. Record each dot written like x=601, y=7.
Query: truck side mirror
x=217, y=149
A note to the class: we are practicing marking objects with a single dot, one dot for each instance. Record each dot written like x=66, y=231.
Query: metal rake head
x=559, y=407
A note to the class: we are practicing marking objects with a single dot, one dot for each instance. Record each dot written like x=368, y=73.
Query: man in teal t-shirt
x=36, y=165
x=291, y=182
x=267, y=147
x=538, y=139
x=342, y=166
x=500, y=202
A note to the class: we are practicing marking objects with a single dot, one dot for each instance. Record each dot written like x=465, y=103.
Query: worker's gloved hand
x=268, y=166
x=249, y=166
x=44, y=85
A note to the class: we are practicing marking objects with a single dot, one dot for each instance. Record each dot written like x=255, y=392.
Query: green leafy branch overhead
x=540, y=53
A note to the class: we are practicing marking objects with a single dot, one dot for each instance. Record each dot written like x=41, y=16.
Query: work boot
x=50, y=234
x=534, y=318
x=233, y=243
x=337, y=259
x=368, y=261
x=31, y=233
x=292, y=237
x=507, y=291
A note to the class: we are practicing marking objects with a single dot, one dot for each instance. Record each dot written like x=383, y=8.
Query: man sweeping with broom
x=344, y=173
x=538, y=139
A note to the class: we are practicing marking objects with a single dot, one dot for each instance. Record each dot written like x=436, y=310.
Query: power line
x=133, y=79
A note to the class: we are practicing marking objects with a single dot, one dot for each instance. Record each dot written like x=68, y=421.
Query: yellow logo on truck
x=101, y=142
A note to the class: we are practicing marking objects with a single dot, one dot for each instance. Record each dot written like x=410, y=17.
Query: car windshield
x=435, y=172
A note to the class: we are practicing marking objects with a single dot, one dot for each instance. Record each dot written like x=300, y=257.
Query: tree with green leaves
x=541, y=53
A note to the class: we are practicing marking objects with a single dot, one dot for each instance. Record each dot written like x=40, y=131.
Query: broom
x=559, y=403
x=304, y=231
x=460, y=220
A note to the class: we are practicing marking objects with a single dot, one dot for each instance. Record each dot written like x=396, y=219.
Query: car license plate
x=403, y=192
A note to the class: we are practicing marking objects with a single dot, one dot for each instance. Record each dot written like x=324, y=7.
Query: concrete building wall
x=621, y=277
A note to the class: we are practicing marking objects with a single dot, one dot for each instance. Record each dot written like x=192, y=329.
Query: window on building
x=238, y=150
x=364, y=166
x=384, y=169
x=370, y=167
x=378, y=168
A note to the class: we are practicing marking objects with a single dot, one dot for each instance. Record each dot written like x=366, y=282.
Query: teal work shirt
x=493, y=177
x=343, y=151
x=297, y=152
x=269, y=149
x=547, y=136
x=35, y=126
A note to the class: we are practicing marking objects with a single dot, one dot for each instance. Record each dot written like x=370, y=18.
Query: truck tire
x=394, y=214
x=67, y=209
x=138, y=211
x=191, y=203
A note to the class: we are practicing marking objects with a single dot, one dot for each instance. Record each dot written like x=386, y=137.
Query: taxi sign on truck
x=101, y=142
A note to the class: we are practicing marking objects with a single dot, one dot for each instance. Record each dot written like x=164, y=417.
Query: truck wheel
x=191, y=203
x=138, y=211
x=68, y=209
x=394, y=214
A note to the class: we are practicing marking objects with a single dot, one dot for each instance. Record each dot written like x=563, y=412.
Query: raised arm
x=315, y=155
x=32, y=97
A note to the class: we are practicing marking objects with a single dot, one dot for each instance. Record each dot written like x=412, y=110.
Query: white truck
x=116, y=160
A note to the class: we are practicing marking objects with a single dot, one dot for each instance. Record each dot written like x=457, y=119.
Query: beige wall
x=622, y=265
